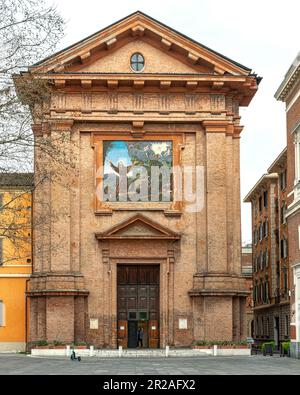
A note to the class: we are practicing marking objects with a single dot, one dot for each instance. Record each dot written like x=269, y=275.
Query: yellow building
x=15, y=258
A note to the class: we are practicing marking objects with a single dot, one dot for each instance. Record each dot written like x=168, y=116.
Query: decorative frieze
x=217, y=103
x=164, y=103
x=138, y=102
x=86, y=102
x=115, y=102
x=190, y=103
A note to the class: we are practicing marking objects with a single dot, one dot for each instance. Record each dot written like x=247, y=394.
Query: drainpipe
x=27, y=281
x=26, y=316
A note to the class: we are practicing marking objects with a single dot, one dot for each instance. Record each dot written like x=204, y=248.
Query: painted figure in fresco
x=121, y=168
x=122, y=157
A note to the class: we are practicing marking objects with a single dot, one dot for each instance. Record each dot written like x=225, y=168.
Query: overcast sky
x=262, y=35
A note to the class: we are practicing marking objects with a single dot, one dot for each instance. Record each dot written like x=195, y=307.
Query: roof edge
x=283, y=89
x=279, y=157
x=264, y=178
x=247, y=69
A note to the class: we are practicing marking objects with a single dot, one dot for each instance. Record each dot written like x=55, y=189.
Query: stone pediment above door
x=138, y=227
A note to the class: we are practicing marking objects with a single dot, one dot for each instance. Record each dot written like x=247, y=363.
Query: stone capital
x=63, y=125
x=216, y=126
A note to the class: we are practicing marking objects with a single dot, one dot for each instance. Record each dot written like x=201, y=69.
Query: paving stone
x=257, y=365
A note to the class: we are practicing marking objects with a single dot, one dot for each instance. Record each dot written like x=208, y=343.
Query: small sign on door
x=153, y=328
x=122, y=328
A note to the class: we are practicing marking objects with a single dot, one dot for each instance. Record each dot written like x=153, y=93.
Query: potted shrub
x=221, y=345
x=285, y=349
x=268, y=348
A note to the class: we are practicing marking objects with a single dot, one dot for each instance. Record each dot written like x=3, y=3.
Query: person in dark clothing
x=140, y=337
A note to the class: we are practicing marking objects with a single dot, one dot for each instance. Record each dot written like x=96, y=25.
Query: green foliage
x=79, y=344
x=270, y=343
x=39, y=343
x=58, y=343
x=286, y=346
x=201, y=343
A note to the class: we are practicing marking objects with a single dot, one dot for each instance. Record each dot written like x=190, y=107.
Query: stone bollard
x=68, y=351
x=167, y=351
x=215, y=351
x=120, y=351
x=91, y=351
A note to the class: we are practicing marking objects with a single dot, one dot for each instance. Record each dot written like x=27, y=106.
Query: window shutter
x=1, y=313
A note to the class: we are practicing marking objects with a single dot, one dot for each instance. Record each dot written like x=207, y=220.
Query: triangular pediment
x=166, y=51
x=138, y=227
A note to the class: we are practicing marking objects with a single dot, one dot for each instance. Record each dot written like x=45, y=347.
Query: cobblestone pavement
x=255, y=365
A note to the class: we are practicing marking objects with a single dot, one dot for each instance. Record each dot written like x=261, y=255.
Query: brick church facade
x=108, y=262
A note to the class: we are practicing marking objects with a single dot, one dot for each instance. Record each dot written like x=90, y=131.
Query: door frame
x=166, y=296
x=137, y=319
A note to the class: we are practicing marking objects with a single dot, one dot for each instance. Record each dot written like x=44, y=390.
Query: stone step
x=129, y=353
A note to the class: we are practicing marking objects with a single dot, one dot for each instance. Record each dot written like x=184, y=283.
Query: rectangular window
x=285, y=249
x=2, y=313
x=282, y=215
x=283, y=180
x=267, y=258
x=285, y=279
x=287, y=325
x=297, y=157
x=261, y=231
x=266, y=195
x=260, y=203
x=266, y=229
x=254, y=293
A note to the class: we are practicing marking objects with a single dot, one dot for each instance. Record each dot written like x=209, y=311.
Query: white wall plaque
x=94, y=324
x=183, y=323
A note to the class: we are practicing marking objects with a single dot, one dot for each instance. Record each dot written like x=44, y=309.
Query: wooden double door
x=138, y=305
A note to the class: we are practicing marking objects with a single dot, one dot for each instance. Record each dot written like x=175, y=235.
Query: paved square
x=255, y=365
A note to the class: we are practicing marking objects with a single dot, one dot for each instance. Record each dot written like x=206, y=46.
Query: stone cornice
x=260, y=185
x=218, y=292
x=290, y=80
x=58, y=292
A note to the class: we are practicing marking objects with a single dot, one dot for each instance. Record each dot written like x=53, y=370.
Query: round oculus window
x=137, y=62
